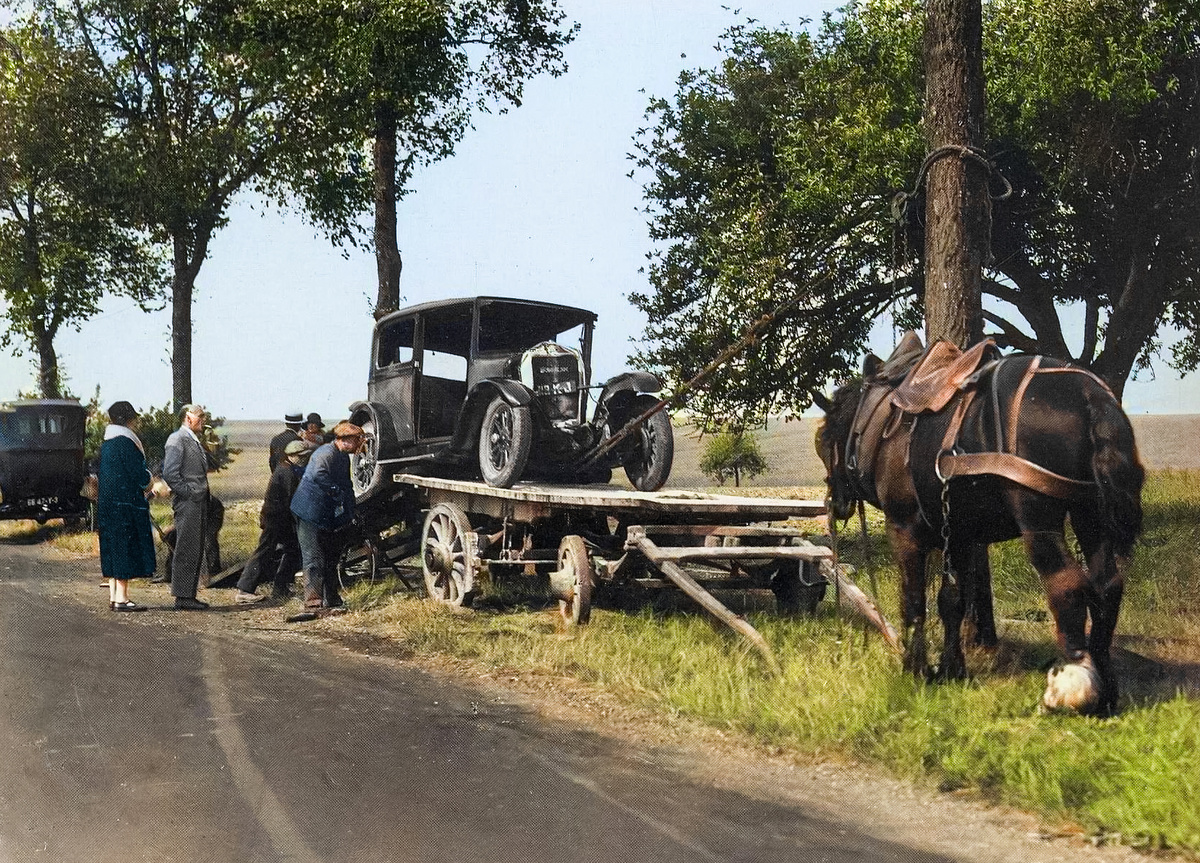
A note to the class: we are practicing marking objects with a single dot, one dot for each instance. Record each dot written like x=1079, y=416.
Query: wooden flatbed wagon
x=585, y=538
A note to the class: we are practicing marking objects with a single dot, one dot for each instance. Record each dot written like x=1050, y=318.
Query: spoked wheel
x=575, y=579
x=366, y=475
x=359, y=561
x=448, y=555
x=648, y=464
x=504, y=440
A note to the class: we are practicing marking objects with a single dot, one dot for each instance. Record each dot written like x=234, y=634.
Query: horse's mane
x=835, y=425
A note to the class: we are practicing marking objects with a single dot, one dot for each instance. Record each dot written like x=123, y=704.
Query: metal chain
x=947, y=570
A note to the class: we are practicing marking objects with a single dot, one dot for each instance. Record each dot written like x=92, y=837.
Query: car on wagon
x=502, y=389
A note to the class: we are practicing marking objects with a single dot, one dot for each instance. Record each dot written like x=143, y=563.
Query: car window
x=517, y=326
x=439, y=364
x=396, y=343
x=447, y=331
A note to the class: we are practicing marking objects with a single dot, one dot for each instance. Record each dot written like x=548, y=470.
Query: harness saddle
x=916, y=381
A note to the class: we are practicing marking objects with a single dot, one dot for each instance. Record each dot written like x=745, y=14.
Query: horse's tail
x=1118, y=471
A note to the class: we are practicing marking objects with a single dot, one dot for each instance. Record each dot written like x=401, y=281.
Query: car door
x=395, y=375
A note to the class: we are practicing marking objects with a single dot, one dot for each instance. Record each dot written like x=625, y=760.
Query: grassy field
x=841, y=695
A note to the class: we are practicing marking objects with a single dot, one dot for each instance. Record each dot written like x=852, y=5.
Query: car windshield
x=517, y=326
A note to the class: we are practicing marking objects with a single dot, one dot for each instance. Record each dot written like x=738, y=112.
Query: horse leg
x=980, y=613
x=1067, y=588
x=910, y=556
x=1108, y=584
x=958, y=586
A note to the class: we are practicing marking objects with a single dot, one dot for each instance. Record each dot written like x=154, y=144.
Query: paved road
x=138, y=740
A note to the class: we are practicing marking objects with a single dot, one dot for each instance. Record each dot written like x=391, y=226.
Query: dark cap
x=121, y=413
x=314, y=419
x=293, y=419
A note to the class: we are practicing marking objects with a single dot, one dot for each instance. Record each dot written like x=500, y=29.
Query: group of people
x=308, y=503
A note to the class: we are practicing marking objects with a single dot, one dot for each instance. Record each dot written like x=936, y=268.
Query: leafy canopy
x=772, y=178
x=65, y=239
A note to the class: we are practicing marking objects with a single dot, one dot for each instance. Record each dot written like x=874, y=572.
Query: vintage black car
x=41, y=459
x=501, y=388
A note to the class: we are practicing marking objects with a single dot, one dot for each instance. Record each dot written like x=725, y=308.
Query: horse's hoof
x=1073, y=687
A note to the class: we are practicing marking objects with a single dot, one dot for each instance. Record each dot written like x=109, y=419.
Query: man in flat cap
x=324, y=506
x=185, y=470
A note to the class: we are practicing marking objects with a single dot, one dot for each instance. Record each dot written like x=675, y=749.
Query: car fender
x=634, y=382
x=386, y=436
x=466, y=430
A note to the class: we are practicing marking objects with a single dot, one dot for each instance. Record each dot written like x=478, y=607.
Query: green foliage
x=402, y=79
x=65, y=239
x=771, y=178
x=155, y=425
x=733, y=454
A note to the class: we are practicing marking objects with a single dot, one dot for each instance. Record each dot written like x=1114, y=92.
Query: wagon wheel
x=576, y=573
x=448, y=555
x=505, y=437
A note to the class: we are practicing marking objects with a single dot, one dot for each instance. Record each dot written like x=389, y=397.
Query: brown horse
x=1007, y=449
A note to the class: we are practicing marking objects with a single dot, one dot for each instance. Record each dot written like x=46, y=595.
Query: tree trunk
x=49, y=384
x=957, y=212
x=181, y=335
x=388, y=263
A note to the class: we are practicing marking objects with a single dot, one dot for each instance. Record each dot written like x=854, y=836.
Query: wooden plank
x=740, y=552
x=541, y=498
x=705, y=599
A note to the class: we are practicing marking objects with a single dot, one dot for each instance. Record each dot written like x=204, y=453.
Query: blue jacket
x=325, y=496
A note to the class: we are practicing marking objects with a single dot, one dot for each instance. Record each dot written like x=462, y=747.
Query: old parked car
x=42, y=467
x=501, y=388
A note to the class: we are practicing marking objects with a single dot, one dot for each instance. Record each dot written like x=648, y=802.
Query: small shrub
x=733, y=453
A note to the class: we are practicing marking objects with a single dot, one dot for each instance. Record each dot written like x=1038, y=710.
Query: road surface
x=133, y=738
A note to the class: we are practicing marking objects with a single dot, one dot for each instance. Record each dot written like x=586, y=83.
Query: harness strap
x=1014, y=410
x=1017, y=469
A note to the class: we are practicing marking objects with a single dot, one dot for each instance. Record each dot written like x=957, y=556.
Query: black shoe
x=190, y=603
x=160, y=579
x=127, y=605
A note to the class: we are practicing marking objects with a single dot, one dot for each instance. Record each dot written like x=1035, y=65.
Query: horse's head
x=832, y=434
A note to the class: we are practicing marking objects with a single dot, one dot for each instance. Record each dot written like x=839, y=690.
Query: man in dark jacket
x=295, y=424
x=324, y=505
x=277, y=556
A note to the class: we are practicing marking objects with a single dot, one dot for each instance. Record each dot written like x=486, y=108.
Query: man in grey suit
x=185, y=470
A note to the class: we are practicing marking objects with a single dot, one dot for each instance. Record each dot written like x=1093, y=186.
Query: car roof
x=584, y=314
x=13, y=404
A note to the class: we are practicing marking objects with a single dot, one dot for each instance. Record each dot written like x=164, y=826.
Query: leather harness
x=879, y=414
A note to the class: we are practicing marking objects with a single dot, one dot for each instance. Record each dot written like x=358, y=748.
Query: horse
x=975, y=448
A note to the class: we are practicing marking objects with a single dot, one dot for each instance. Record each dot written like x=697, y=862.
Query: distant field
x=1164, y=440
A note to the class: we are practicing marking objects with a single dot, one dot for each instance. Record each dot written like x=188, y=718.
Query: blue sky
x=535, y=203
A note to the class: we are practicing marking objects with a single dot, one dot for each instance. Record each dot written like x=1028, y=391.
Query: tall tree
x=957, y=209
x=774, y=177
x=410, y=74
x=198, y=99
x=64, y=242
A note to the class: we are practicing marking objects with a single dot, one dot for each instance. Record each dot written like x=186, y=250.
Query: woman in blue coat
x=122, y=508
